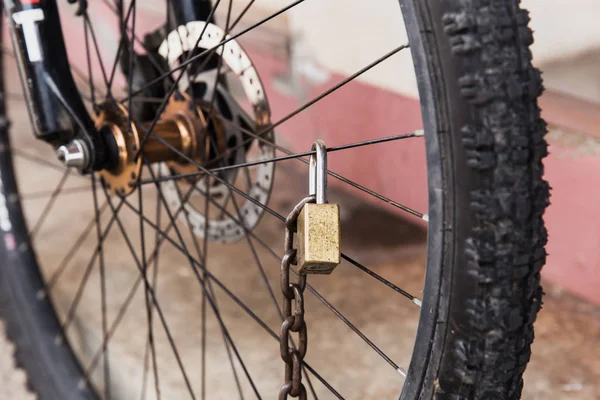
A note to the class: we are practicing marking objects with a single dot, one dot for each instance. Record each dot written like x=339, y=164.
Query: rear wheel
x=484, y=145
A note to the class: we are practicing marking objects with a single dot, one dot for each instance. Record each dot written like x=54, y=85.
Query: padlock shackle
x=317, y=180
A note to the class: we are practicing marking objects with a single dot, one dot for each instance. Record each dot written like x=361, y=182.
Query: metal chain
x=293, y=321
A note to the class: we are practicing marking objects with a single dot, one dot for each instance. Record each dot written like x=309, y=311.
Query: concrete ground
x=565, y=363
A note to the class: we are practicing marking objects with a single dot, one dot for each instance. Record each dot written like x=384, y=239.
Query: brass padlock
x=318, y=223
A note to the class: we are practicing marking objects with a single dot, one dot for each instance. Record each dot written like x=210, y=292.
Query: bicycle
x=180, y=129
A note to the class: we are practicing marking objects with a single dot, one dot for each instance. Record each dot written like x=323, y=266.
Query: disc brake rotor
x=231, y=126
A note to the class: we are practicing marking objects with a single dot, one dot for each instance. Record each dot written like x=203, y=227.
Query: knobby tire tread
x=490, y=343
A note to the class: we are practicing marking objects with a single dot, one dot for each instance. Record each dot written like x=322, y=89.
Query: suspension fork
x=184, y=11
x=56, y=109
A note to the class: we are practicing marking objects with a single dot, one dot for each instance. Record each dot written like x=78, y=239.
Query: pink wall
x=573, y=222
x=360, y=112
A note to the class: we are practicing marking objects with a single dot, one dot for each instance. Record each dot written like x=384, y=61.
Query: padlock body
x=318, y=236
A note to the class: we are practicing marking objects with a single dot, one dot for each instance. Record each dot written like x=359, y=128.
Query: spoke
x=266, y=208
x=161, y=237
x=157, y=243
x=203, y=285
x=256, y=258
x=417, y=133
x=263, y=274
x=72, y=251
x=389, y=284
x=167, y=23
x=88, y=57
x=206, y=279
x=147, y=301
x=328, y=92
x=219, y=63
x=233, y=297
x=149, y=307
x=140, y=42
x=355, y=185
x=322, y=380
x=203, y=256
x=145, y=371
x=152, y=294
x=97, y=49
x=203, y=356
x=208, y=51
x=260, y=136
x=47, y=193
x=123, y=42
x=334, y=88
x=88, y=270
x=249, y=234
x=52, y=85
x=131, y=70
x=155, y=62
x=217, y=178
x=204, y=276
x=175, y=85
x=356, y=330
x=39, y=160
x=113, y=327
x=199, y=265
x=49, y=204
x=225, y=203
x=9, y=52
x=244, y=11
x=106, y=361
x=248, y=179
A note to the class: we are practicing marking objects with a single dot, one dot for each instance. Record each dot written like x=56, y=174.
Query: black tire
x=29, y=316
x=486, y=240
x=491, y=145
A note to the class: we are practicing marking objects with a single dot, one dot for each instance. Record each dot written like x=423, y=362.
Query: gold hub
x=182, y=125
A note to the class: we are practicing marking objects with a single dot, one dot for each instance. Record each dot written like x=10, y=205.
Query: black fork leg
x=184, y=11
x=56, y=109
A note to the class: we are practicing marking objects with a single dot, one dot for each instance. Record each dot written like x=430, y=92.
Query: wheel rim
x=145, y=254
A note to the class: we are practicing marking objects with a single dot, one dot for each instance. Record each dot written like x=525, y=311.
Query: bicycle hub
x=178, y=137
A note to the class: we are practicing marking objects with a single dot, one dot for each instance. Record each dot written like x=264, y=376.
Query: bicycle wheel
x=484, y=144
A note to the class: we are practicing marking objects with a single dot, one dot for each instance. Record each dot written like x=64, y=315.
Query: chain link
x=293, y=314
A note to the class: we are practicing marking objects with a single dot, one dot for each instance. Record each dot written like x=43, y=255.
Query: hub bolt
x=74, y=154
